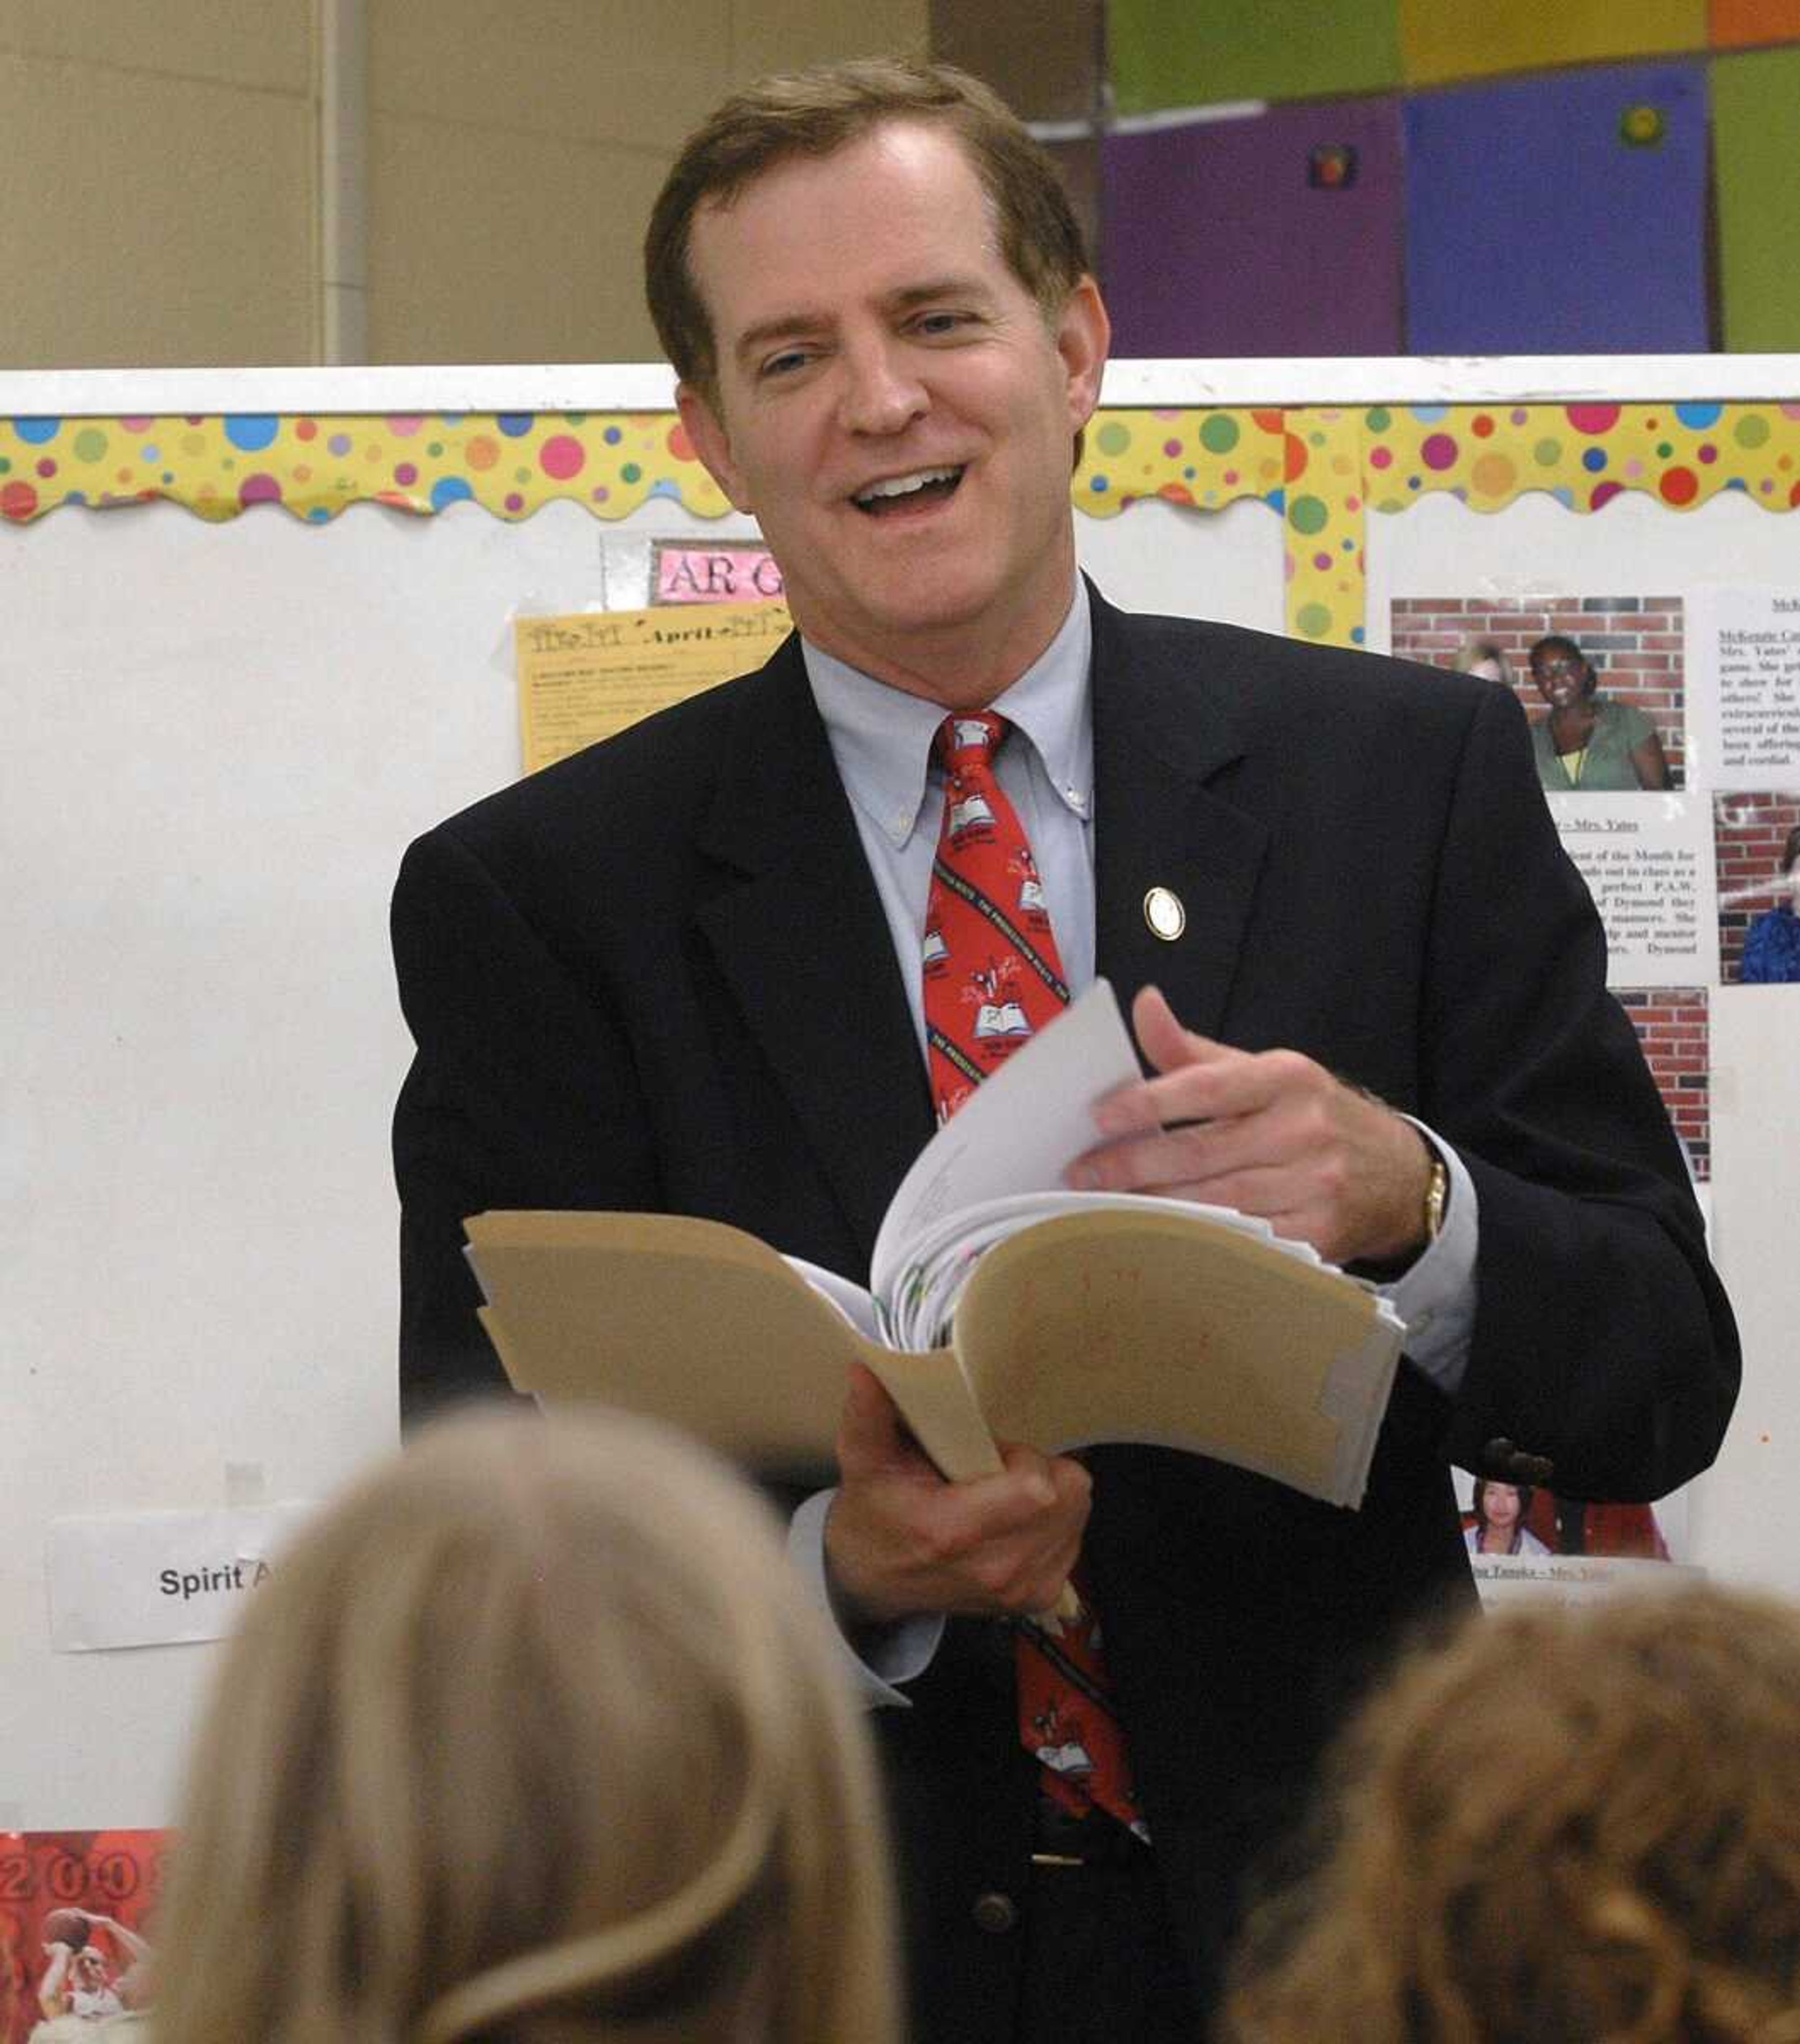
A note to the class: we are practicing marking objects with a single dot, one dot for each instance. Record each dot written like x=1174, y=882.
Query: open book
x=999, y=1306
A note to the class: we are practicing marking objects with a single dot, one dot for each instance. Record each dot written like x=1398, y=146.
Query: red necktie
x=992, y=980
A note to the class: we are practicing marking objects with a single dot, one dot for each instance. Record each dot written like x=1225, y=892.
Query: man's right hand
x=900, y=1539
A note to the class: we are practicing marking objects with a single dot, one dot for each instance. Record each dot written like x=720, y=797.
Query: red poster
x=75, y=1906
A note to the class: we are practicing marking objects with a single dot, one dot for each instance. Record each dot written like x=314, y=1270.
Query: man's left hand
x=1271, y=1133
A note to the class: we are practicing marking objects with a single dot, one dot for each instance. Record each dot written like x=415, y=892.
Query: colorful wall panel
x=1756, y=131
x=1557, y=215
x=1742, y=24
x=1171, y=53
x=1312, y=267
x=1442, y=40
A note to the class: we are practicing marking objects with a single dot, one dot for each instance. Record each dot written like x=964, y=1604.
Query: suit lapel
x=1167, y=734
x=802, y=941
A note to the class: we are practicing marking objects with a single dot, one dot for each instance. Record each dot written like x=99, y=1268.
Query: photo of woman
x=1623, y=730
x=1499, y=1526
x=1588, y=742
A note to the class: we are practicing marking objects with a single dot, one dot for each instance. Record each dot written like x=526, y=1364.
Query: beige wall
x=161, y=200
x=158, y=195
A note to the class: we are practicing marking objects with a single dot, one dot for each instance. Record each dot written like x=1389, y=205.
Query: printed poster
x=1647, y=851
x=1604, y=679
x=75, y=1924
x=584, y=677
x=1743, y=650
x=1527, y=1541
x=1649, y=865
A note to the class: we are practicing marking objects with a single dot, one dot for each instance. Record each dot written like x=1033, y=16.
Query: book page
x=1167, y=1326
x=918, y=1310
x=1020, y=1129
x=851, y=1299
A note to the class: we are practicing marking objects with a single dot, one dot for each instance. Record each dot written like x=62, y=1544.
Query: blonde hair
x=532, y=1734
x=1570, y=1823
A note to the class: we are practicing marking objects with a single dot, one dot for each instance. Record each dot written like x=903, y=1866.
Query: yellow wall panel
x=1449, y=39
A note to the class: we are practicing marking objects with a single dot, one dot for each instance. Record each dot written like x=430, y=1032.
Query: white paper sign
x=1648, y=861
x=1742, y=667
x=1508, y=1579
x=156, y=1578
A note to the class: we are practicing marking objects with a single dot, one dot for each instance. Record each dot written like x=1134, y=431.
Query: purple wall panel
x=1220, y=241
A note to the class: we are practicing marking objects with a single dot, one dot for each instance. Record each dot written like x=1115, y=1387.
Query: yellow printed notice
x=584, y=677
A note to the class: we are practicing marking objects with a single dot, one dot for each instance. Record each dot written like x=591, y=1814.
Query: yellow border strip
x=1324, y=470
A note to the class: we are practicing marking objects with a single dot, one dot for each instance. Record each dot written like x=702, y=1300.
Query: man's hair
x=533, y=1731
x=817, y=112
x=1790, y=849
x=1571, y=1822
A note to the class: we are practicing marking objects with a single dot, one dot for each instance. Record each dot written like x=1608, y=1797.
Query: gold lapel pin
x=1165, y=914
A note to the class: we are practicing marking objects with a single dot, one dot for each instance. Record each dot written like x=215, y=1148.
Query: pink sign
x=725, y=571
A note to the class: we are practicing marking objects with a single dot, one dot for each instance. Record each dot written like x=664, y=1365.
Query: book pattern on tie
x=993, y=977
x=1067, y=1718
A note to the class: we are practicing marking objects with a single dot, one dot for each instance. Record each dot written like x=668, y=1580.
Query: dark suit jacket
x=656, y=976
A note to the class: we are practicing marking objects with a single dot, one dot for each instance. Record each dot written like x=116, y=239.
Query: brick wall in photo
x=1633, y=642
x=1671, y=1022
x=1748, y=832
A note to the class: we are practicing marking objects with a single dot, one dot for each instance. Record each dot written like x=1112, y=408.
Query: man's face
x=895, y=410
x=89, y=1970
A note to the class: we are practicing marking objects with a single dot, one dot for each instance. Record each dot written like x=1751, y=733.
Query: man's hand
x=900, y=1539
x=1271, y=1133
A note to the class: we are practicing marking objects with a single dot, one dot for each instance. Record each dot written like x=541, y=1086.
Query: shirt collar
x=882, y=737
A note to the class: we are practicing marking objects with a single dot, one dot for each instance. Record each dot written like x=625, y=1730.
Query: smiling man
x=699, y=969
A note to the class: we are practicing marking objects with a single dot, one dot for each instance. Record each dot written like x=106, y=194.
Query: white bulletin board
x=219, y=737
